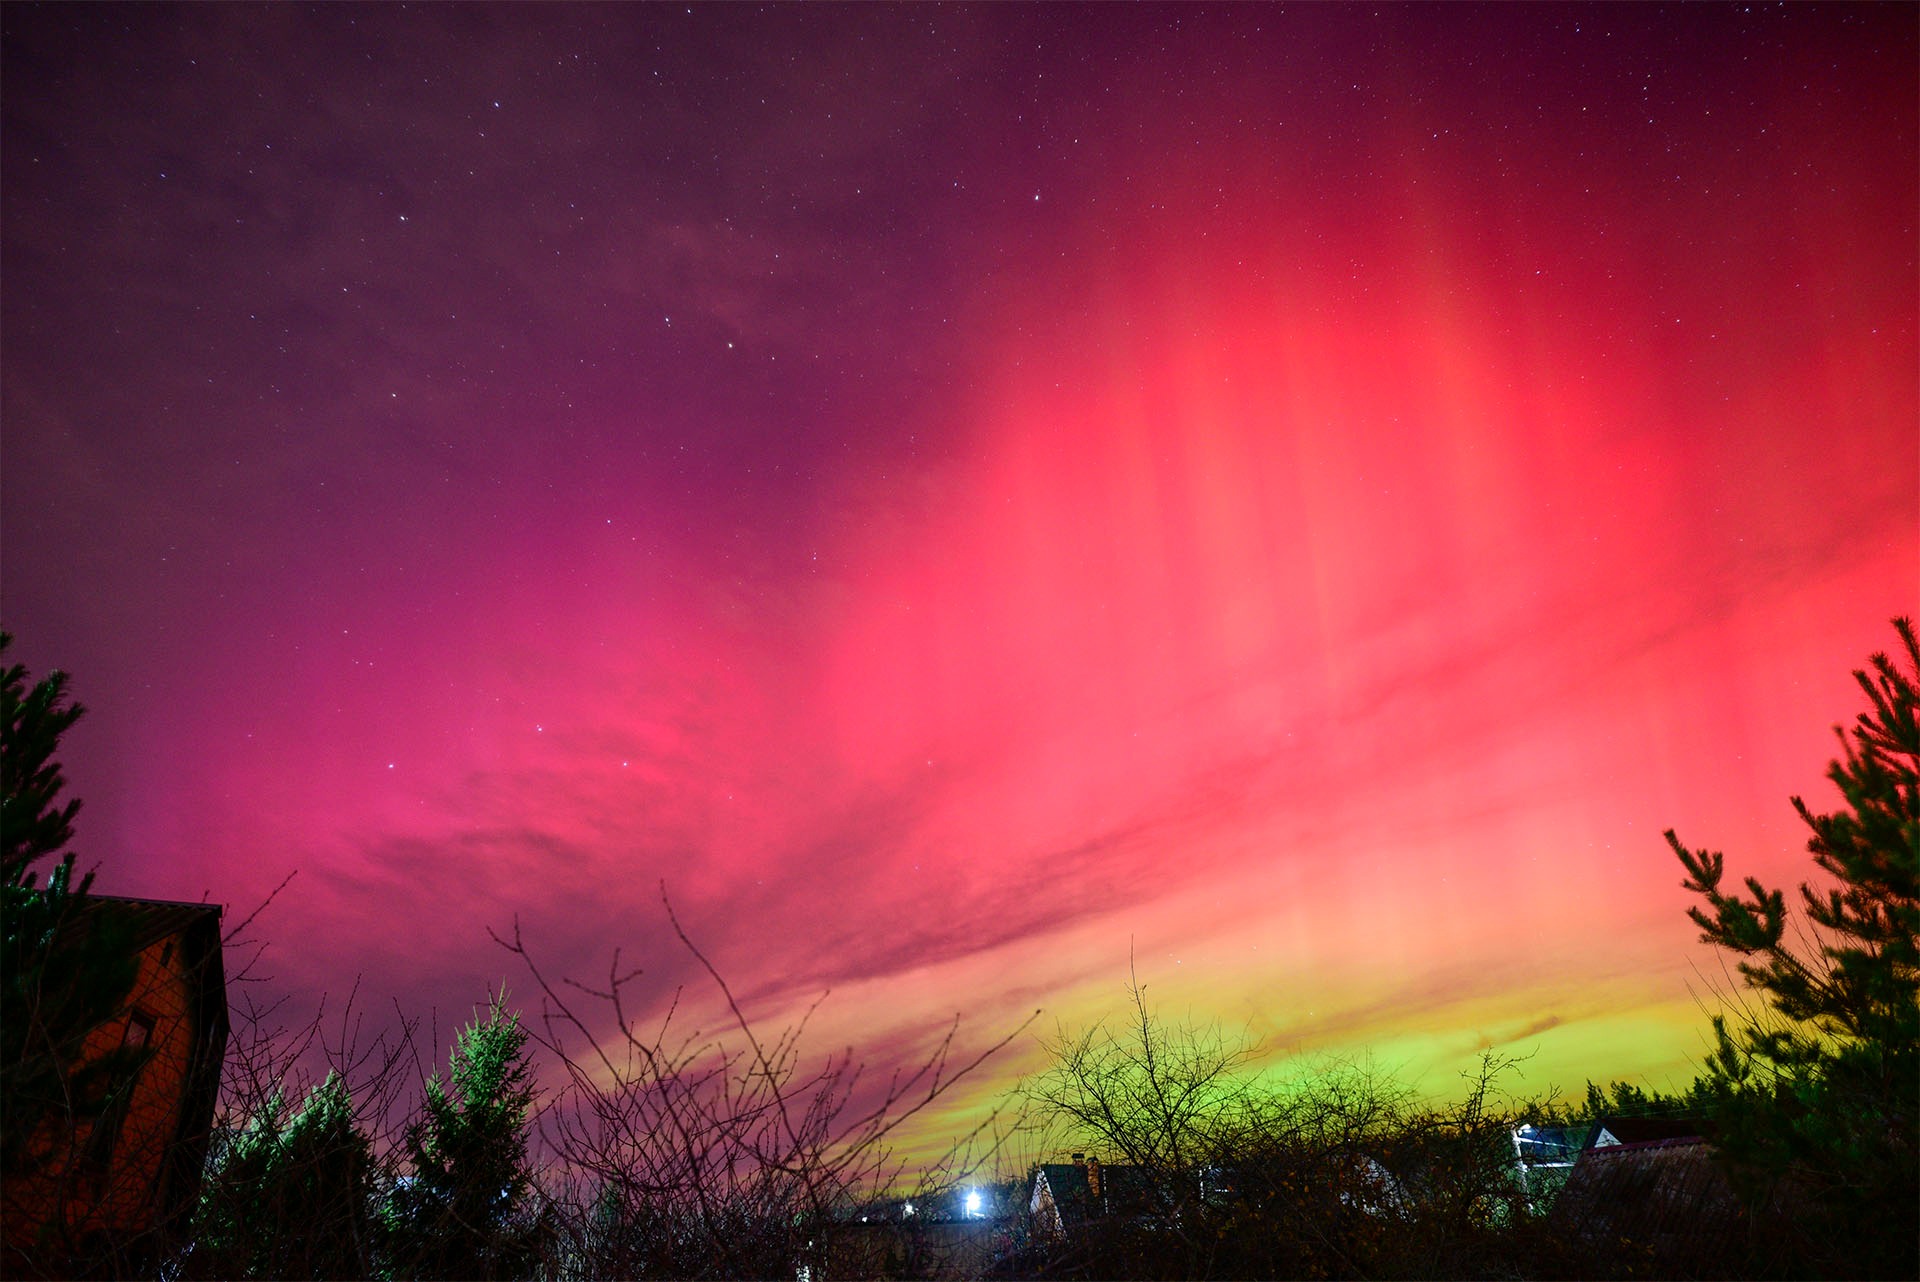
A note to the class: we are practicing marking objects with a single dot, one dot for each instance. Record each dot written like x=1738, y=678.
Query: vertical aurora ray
x=1299, y=499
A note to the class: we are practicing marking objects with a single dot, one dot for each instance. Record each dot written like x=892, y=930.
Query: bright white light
x=909, y=1209
x=973, y=1204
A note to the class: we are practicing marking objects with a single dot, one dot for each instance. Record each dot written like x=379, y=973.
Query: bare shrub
x=676, y=1153
x=1342, y=1172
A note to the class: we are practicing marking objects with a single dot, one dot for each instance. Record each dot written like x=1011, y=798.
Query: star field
x=1300, y=496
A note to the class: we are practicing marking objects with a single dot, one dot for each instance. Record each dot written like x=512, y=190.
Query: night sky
x=1298, y=496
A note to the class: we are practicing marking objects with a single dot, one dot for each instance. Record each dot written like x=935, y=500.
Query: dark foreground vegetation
x=571, y=1141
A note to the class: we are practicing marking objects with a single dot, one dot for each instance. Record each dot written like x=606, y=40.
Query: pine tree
x=289, y=1196
x=58, y=983
x=1625, y=1099
x=33, y=822
x=1816, y=1093
x=466, y=1209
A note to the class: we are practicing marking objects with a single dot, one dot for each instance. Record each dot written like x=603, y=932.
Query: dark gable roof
x=1067, y=1181
x=150, y=920
x=1122, y=1188
x=1650, y=1130
x=1667, y=1197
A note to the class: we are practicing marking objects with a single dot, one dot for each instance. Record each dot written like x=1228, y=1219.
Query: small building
x=1066, y=1194
x=1548, y=1147
x=110, y=1178
x=1651, y=1187
x=1544, y=1157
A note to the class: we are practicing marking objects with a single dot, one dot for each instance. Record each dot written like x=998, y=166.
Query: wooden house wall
x=77, y=1196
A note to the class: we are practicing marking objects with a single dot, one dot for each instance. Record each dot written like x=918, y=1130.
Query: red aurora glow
x=965, y=495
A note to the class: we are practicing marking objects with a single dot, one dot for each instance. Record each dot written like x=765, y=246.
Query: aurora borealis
x=964, y=495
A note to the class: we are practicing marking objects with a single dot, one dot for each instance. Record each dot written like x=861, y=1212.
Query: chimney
x=1079, y=1159
x=1093, y=1178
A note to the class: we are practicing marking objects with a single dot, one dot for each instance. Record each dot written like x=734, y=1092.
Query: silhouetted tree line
x=1808, y=1099
x=655, y=1152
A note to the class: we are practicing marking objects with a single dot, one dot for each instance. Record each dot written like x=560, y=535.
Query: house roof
x=1121, y=1187
x=1646, y=1130
x=1066, y=1180
x=150, y=920
x=1667, y=1196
